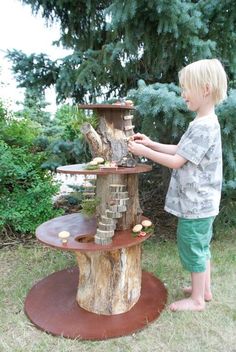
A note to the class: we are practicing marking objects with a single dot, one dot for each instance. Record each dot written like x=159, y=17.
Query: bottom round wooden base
x=51, y=306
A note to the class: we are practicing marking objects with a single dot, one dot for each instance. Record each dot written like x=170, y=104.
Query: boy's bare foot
x=187, y=304
x=207, y=295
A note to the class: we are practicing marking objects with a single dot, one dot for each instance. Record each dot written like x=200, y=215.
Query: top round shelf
x=79, y=169
x=106, y=106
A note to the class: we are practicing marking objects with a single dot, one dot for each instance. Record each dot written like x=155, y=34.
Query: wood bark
x=93, y=139
x=110, y=139
x=109, y=281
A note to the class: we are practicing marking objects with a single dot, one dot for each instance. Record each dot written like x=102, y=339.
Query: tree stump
x=110, y=138
x=109, y=281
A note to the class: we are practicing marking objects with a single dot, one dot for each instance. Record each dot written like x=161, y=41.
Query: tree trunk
x=115, y=277
x=110, y=139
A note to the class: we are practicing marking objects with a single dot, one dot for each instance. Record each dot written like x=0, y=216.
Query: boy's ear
x=207, y=90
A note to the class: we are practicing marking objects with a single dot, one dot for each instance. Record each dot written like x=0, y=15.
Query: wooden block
x=107, y=220
x=104, y=234
x=127, y=123
x=118, y=208
x=123, y=201
x=113, y=215
x=119, y=195
x=117, y=188
x=102, y=241
x=129, y=127
x=129, y=133
x=106, y=227
x=119, y=201
x=128, y=117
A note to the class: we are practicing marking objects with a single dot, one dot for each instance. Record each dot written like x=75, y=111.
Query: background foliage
x=116, y=43
x=118, y=49
x=62, y=140
x=26, y=189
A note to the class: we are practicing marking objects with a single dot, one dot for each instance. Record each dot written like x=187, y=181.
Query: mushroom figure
x=64, y=235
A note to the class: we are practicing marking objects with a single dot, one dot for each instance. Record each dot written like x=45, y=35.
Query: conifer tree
x=116, y=43
x=34, y=105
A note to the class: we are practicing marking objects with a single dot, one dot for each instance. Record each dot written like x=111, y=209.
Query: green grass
x=212, y=330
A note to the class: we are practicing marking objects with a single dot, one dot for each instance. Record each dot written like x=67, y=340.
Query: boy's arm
x=172, y=161
x=159, y=147
x=164, y=148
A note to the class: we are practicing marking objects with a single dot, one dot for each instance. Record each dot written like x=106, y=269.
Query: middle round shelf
x=82, y=228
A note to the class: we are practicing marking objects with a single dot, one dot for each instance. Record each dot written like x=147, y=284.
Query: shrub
x=26, y=190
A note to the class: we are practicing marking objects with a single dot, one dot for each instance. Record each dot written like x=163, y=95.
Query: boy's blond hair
x=202, y=73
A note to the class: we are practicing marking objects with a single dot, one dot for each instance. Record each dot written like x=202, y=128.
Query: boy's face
x=194, y=100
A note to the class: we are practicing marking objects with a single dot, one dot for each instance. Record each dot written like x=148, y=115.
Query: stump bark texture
x=109, y=282
x=110, y=138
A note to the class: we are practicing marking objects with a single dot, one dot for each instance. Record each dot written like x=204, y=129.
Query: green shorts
x=193, y=240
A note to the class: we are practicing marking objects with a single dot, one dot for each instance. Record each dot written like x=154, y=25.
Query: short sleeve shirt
x=195, y=188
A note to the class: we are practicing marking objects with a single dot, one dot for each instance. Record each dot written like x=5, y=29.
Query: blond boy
x=195, y=187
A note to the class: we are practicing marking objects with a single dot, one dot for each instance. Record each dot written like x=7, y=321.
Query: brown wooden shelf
x=51, y=306
x=106, y=106
x=79, y=169
x=79, y=226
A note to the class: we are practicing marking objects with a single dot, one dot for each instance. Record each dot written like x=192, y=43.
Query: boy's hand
x=142, y=139
x=137, y=148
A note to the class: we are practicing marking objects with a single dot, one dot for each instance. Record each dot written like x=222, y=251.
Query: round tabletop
x=82, y=229
x=80, y=169
x=107, y=106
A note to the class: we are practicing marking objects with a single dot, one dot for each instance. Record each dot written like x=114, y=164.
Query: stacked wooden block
x=128, y=127
x=128, y=160
x=116, y=208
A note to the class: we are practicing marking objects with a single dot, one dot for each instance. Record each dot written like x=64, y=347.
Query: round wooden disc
x=80, y=169
x=106, y=106
x=51, y=306
x=79, y=226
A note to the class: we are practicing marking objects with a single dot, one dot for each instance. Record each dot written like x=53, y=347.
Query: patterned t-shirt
x=195, y=188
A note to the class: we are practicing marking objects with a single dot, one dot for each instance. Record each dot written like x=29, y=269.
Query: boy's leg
x=198, y=288
x=207, y=292
x=196, y=301
x=193, y=238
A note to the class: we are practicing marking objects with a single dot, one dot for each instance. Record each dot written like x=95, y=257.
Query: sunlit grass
x=212, y=330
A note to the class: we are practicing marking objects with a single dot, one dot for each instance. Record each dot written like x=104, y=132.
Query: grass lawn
x=212, y=330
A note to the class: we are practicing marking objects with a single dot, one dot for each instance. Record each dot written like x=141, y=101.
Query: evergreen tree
x=34, y=105
x=116, y=43
x=63, y=140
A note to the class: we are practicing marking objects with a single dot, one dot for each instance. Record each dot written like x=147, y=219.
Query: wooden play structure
x=107, y=294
